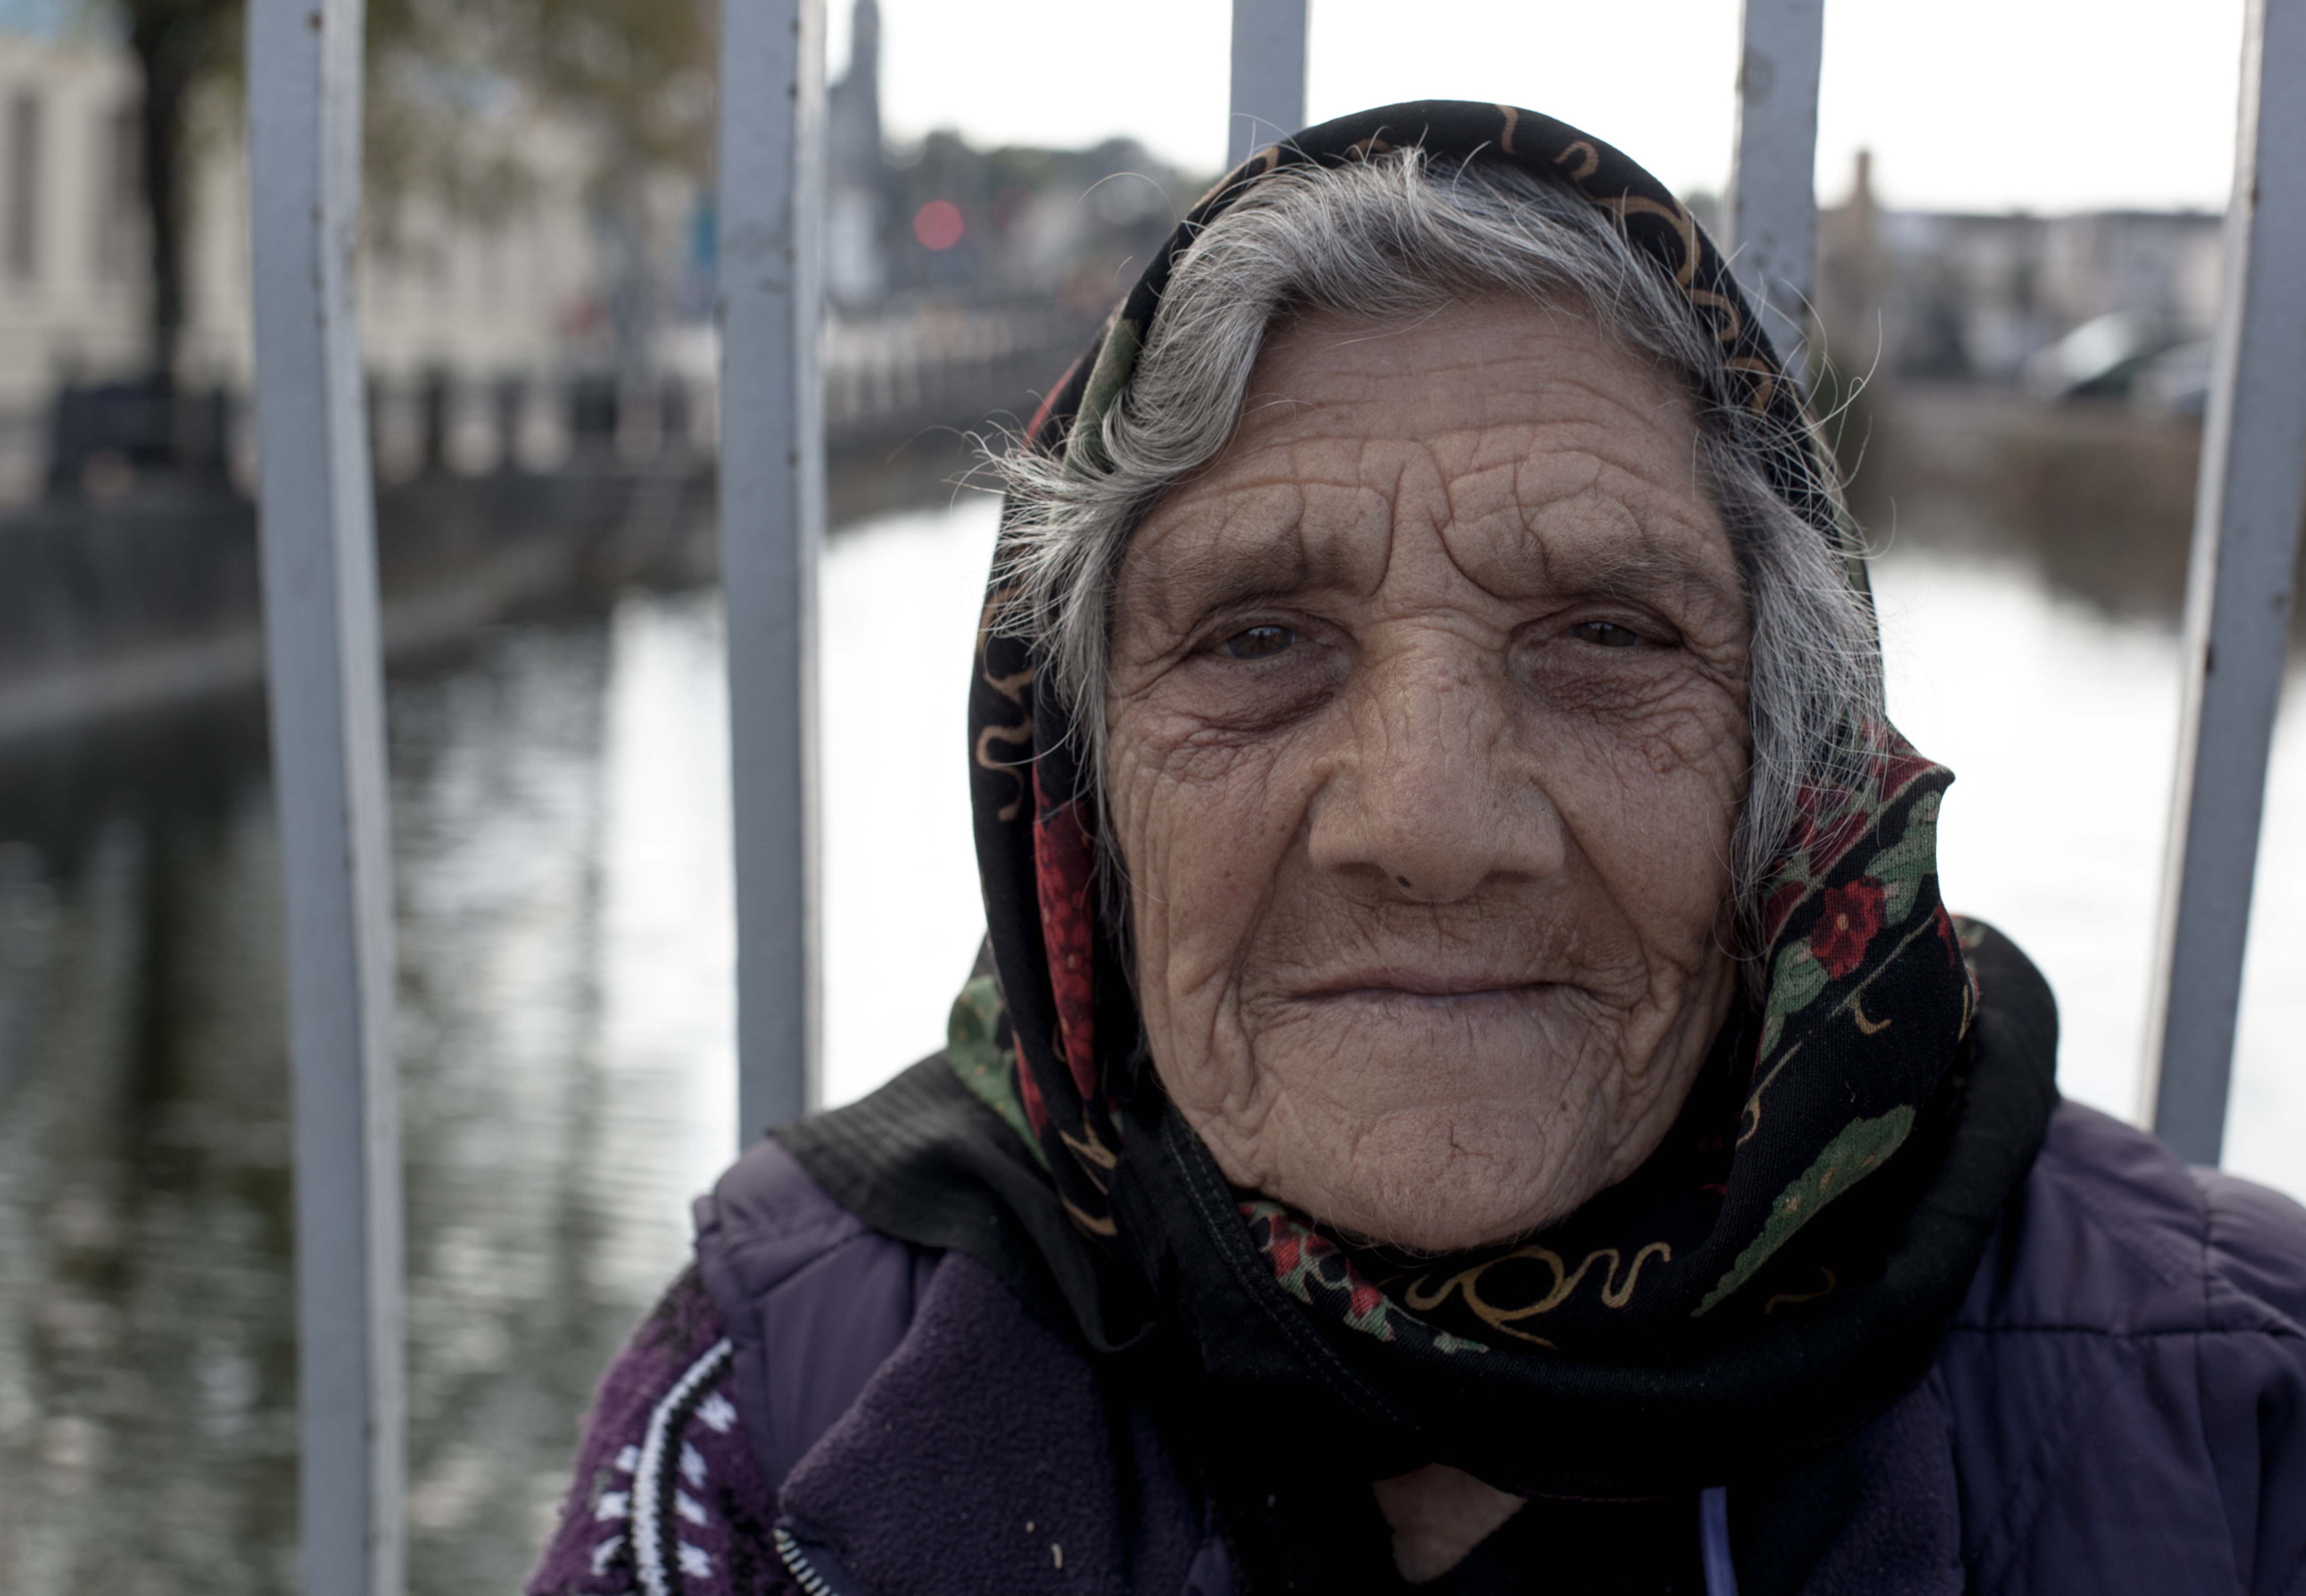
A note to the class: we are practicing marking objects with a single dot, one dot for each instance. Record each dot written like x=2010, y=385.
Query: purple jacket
x=2120, y=1405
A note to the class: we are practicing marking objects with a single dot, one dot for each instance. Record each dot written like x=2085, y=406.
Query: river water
x=560, y=823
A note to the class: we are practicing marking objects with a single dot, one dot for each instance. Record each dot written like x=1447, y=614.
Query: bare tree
x=178, y=45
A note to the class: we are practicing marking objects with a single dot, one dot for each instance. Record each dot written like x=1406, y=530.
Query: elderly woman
x=1471, y=1085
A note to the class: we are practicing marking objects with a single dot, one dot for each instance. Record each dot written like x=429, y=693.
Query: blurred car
x=2099, y=359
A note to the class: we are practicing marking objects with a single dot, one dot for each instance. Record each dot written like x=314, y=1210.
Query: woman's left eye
x=1607, y=634
x=1259, y=642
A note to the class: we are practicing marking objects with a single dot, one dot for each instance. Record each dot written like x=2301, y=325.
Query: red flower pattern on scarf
x=1850, y=917
x=1061, y=856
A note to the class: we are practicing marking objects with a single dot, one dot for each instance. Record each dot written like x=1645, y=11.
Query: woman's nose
x=1428, y=789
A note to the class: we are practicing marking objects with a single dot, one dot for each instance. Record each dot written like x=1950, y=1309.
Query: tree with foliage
x=638, y=72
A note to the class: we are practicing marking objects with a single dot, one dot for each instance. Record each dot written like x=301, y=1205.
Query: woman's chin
x=1433, y=1222
x=1439, y=1180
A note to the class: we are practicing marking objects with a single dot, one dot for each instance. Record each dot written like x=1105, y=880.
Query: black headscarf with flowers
x=1779, y=1270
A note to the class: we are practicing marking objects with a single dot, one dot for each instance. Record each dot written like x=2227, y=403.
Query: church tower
x=855, y=273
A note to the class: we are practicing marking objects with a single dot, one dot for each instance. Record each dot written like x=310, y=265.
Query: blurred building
x=72, y=238
x=2068, y=304
x=943, y=223
x=561, y=310
x=472, y=296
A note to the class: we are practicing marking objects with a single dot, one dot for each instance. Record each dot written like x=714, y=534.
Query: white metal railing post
x=2246, y=516
x=1268, y=75
x=1771, y=210
x=325, y=678
x=772, y=525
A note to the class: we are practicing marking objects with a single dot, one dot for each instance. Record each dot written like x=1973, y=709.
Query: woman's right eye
x=1259, y=642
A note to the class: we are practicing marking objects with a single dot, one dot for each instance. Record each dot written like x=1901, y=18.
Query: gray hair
x=1398, y=235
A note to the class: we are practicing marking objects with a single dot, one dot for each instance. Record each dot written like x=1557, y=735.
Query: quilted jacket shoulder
x=2126, y=1380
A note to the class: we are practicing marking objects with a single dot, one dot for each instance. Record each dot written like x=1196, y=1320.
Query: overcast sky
x=1985, y=104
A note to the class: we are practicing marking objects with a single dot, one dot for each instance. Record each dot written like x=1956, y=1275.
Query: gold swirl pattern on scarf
x=1729, y=324
x=1752, y=1113
x=1097, y=1160
x=1684, y=224
x=986, y=760
x=1467, y=1283
x=1789, y=1299
x=1513, y=121
x=1088, y=1222
x=1762, y=379
x=1589, y=163
x=1012, y=687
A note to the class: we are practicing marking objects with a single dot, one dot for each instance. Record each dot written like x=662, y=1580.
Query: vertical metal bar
x=2246, y=516
x=326, y=682
x=1268, y=75
x=1771, y=211
x=771, y=527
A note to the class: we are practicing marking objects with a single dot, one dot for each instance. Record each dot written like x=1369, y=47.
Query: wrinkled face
x=1426, y=741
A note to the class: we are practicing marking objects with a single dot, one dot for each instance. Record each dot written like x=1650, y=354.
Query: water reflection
x=2060, y=724
x=560, y=851
x=147, y=1365
x=561, y=824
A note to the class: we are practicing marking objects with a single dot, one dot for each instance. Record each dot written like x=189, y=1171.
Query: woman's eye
x=1259, y=642
x=1607, y=634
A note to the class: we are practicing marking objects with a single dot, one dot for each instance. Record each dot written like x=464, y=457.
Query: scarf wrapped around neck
x=1778, y=1272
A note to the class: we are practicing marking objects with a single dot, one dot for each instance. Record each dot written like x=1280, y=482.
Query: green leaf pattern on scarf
x=1794, y=985
x=972, y=1043
x=1848, y=1158
x=1903, y=867
x=1117, y=358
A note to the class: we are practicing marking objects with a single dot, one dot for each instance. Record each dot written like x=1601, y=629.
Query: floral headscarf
x=1781, y=1266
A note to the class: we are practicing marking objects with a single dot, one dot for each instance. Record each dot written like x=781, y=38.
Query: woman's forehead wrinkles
x=1268, y=538
x=1534, y=461
x=1586, y=528
x=1633, y=561
x=1464, y=425
x=1607, y=553
x=1567, y=525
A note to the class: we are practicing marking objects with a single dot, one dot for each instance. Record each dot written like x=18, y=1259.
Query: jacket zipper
x=796, y=1563
x=1714, y=1541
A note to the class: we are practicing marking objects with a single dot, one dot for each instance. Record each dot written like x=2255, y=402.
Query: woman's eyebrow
x=1632, y=560
x=1187, y=574
x=1647, y=566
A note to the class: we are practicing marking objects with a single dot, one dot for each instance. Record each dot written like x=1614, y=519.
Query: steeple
x=863, y=79
x=856, y=170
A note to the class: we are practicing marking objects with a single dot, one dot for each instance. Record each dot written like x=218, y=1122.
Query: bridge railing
x=2238, y=600
x=327, y=701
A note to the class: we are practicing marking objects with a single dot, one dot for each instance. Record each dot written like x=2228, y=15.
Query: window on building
x=119, y=169
x=24, y=161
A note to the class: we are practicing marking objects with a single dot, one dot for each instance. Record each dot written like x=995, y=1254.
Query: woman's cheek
x=1650, y=720
x=1653, y=799
x=1201, y=829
